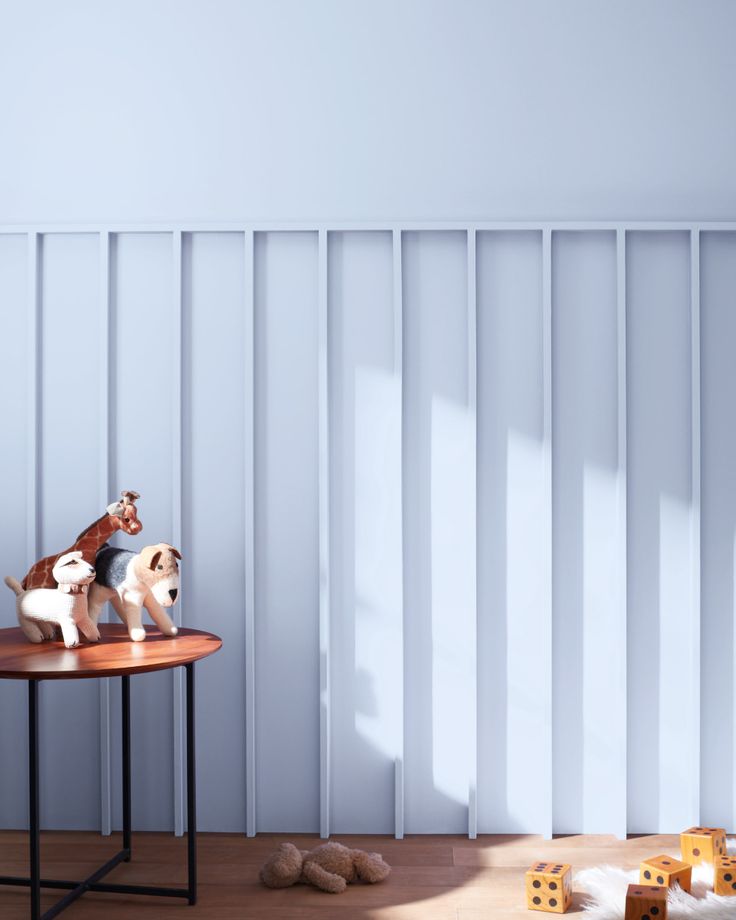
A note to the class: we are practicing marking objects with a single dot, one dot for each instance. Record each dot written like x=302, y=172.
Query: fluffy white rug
x=605, y=888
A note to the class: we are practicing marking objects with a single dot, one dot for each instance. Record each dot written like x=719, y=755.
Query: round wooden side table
x=113, y=656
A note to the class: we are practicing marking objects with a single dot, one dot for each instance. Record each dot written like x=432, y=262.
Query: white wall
x=359, y=109
x=498, y=642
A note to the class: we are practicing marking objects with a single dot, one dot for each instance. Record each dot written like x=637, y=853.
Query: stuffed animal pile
x=54, y=591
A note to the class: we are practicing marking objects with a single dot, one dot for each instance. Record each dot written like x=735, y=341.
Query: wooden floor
x=433, y=878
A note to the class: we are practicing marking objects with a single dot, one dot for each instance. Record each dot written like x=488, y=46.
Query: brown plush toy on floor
x=328, y=867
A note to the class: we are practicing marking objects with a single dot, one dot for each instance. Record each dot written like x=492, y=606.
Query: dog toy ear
x=176, y=552
x=154, y=560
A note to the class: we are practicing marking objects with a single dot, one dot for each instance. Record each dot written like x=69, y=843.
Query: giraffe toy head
x=126, y=513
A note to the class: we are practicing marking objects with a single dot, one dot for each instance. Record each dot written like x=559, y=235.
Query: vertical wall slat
x=472, y=409
x=176, y=515
x=249, y=524
x=621, y=829
x=398, y=307
x=546, y=765
x=324, y=540
x=695, y=517
x=34, y=401
x=104, y=468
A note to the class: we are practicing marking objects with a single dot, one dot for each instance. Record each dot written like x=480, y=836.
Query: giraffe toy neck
x=91, y=539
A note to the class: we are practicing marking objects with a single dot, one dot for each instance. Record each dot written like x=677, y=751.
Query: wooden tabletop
x=112, y=656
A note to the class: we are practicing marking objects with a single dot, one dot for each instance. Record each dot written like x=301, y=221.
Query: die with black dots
x=646, y=902
x=667, y=871
x=549, y=887
x=703, y=844
x=724, y=881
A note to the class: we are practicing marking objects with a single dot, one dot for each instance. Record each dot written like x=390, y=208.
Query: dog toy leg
x=88, y=629
x=159, y=615
x=31, y=629
x=69, y=632
x=131, y=616
x=48, y=630
x=96, y=600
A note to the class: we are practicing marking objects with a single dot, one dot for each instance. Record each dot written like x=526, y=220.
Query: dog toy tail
x=14, y=585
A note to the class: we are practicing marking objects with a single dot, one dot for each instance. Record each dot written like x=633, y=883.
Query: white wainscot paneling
x=316, y=388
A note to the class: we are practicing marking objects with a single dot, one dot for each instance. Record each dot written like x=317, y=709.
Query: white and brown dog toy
x=40, y=610
x=131, y=581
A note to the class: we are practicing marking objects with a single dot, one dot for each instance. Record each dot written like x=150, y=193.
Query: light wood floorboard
x=433, y=878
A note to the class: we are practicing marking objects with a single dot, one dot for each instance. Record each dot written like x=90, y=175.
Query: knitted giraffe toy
x=122, y=515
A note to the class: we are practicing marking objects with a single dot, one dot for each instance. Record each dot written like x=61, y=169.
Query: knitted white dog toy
x=39, y=610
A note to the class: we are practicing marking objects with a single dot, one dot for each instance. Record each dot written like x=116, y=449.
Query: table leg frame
x=93, y=882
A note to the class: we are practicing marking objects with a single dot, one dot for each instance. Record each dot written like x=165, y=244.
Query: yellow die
x=646, y=902
x=725, y=875
x=667, y=871
x=703, y=844
x=549, y=887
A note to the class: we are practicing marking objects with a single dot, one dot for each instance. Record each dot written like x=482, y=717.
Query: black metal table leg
x=191, y=790
x=94, y=881
x=34, y=829
x=125, y=692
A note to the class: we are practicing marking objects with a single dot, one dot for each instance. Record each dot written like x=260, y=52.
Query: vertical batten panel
x=439, y=532
x=176, y=515
x=287, y=527
x=695, y=431
x=398, y=307
x=69, y=489
x=546, y=528
x=513, y=674
x=16, y=412
x=34, y=395
x=586, y=634
x=249, y=536
x=142, y=407
x=718, y=529
x=104, y=499
x=472, y=409
x=621, y=756
x=365, y=534
x=324, y=538
x=660, y=563
x=213, y=481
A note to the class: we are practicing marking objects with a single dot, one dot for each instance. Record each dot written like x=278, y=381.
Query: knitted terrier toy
x=328, y=867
